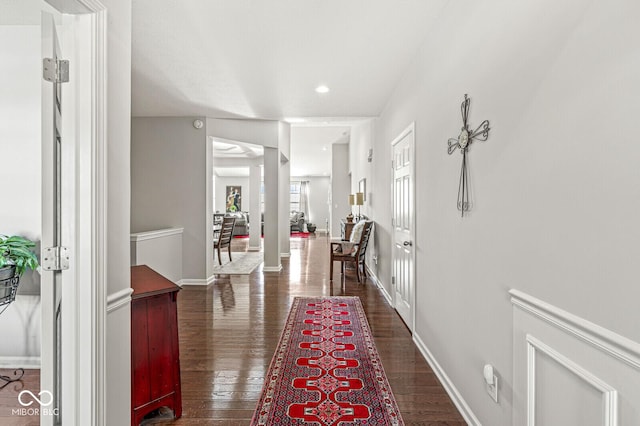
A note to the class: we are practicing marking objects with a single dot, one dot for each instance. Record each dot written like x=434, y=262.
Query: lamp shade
x=359, y=198
x=352, y=199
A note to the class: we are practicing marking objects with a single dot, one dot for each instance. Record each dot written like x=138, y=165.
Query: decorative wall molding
x=448, y=385
x=30, y=362
x=606, y=340
x=609, y=394
x=159, y=233
x=119, y=299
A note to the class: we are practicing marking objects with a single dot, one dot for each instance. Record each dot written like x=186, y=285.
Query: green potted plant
x=16, y=255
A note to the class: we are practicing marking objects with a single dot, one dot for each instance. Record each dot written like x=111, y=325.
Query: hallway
x=229, y=331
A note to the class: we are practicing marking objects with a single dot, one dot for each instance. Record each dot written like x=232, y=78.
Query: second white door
x=403, y=221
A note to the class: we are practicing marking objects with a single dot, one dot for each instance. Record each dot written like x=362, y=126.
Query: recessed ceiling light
x=324, y=148
x=322, y=89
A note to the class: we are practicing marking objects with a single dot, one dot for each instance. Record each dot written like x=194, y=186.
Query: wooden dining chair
x=224, y=237
x=353, y=251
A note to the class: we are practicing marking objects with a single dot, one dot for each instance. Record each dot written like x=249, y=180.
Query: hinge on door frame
x=391, y=164
x=393, y=280
x=55, y=71
x=55, y=259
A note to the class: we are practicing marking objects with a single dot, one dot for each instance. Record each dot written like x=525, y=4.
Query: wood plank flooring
x=9, y=399
x=230, y=329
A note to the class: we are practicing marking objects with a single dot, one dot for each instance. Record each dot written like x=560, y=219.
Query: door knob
x=407, y=243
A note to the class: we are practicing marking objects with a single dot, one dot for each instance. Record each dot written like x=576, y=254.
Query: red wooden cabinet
x=155, y=361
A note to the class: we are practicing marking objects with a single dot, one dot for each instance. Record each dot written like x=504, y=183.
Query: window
x=294, y=196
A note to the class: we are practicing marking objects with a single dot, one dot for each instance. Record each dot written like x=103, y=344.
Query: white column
x=285, y=194
x=271, y=210
x=255, y=172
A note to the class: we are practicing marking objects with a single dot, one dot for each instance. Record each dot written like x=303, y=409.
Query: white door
x=403, y=222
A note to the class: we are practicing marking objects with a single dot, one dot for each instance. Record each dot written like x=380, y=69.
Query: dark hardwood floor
x=9, y=399
x=230, y=329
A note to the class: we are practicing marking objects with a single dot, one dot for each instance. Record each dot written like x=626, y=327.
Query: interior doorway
x=52, y=132
x=403, y=224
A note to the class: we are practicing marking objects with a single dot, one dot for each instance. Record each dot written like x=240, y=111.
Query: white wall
x=118, y=84
x=361, y=141
x=555, y=188
x=20, y=173
x=318, y=199
x=169, y=184
x=340, y=186
x=221, y=187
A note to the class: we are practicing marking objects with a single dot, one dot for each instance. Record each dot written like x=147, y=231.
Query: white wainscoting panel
x=599, y=401
x=569, y=371
x=160, y=250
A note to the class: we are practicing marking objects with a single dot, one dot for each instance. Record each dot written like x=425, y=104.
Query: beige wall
x=169, y=184
x=118, y=343
x=554, y=189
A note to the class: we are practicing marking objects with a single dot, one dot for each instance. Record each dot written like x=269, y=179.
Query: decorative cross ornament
x=463, y=142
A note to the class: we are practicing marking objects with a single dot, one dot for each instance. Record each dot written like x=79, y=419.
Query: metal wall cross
x=463, y=142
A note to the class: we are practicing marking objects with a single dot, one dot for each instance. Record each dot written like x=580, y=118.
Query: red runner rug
x=326, y=369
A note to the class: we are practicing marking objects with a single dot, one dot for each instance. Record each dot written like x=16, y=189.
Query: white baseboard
x=285, y=254
x=272, y=268
x=373, y=277
x=253, y=248
x=26, y=362
x=448, y=385
x=196, y=281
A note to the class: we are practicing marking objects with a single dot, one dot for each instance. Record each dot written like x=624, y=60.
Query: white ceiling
x=263, y=58
x=230, y=149
x=311, y=149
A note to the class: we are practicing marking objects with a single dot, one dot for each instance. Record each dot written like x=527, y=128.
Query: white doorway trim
x=84, y=293
x=408, y=131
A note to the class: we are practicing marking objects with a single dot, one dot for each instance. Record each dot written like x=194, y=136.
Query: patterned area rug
x=326, y=369
x=243, y=263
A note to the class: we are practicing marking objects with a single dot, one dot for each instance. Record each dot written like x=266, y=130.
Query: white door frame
x=409, y=129
x=84, y=297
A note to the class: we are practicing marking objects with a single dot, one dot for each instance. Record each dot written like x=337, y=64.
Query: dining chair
x=224, y=237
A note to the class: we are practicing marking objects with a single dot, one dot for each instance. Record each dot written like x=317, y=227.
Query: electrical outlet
x=492, y=389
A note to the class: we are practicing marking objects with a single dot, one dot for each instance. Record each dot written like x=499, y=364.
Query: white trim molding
x=159, y=233
x=119, y=299
x=196, y=281
x=30, y=362
x=609, y=394
x=272, y=268
x=373, y=277
x=606, y=340
x=448, y=385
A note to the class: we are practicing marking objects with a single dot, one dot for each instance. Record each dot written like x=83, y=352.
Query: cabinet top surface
x=146, y=282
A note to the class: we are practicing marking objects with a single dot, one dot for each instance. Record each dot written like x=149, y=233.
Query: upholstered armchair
x=296, y=221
